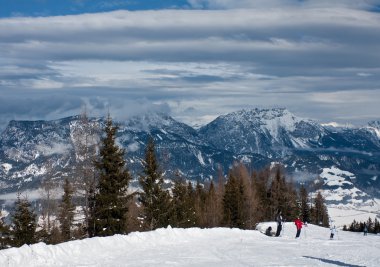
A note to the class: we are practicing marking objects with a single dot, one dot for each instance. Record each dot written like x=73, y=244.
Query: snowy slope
x=205, y=247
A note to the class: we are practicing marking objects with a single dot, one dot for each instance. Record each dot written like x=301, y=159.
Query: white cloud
x=133, y=147
x=55, y=148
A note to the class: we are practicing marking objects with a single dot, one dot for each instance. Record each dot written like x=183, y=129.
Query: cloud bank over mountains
x=320, y=59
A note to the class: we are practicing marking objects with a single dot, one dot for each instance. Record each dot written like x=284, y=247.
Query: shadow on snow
x=338, y=263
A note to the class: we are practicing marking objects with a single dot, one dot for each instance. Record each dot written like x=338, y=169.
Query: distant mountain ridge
x=256, y=137
x=268, y=132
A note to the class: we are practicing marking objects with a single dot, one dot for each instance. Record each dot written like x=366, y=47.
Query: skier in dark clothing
x=333, y=231
x=365, y=229
x=268, y=232
x=279, y=223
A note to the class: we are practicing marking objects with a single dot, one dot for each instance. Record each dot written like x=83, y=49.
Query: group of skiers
x=298, y=223
x=280, y=221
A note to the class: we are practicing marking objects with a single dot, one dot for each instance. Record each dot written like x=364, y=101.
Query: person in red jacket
x=298, y=224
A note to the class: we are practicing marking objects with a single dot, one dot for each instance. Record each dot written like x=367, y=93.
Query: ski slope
x=205, y=247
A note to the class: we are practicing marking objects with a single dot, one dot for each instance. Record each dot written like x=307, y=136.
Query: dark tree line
x=373, y=226
x=240, y=199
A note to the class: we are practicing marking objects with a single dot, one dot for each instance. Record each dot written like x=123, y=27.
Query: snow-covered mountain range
x=309, y=150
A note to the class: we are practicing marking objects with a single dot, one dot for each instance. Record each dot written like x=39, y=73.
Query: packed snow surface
x=205, y=247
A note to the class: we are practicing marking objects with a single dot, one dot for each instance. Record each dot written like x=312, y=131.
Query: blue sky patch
x=36, y=8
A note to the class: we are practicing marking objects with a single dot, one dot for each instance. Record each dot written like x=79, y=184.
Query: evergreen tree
x=91, y=213
x=262, y=194
x=376, y=229
x=5, y=233
x=355, y=226
x=212, y=207
x=200, y=205
x=293, y=210
x=234, y=201
x=304, y=204
x=48, y=202
x=320, y=215
x=250, y=202
x=191, y=202
x=278, y=195
x=24, y=223
x=110, y=200
x=66, y=214
x=134, y=223
x=370, y=225
x=183, y=205
x=154, y=198
x=85, y=139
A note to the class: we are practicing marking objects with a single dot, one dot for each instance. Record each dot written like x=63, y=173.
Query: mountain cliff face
x=268, y=132
x=31, y=150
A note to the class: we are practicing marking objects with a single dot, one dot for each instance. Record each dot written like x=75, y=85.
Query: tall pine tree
x=213, y=208
x=154, y=198
x=319, y=213
x=24, y=223
x=234, y=203
x=4, y=234
x=183, y=205
x=304, y=204
x=66, y=212
x=111, y=199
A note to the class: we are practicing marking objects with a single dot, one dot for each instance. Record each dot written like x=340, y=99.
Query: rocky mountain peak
x=256, y=137
x=374, y=128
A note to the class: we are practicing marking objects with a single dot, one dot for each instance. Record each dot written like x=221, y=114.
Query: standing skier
x=298, y=224
x=333, y=231
x=365, y=229
x=279, y=223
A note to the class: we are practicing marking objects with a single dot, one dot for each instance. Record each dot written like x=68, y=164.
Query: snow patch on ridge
x=340, y=188
x=200, y=158
x=334, y=124
x=336, y=177
x=6, y=167
x=375, y=130
x=345, y=202
x=31, y=170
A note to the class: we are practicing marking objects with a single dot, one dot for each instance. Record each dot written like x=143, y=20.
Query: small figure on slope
x=279, y=223
x=333, y=231
x=298, y=224
x=365, y=229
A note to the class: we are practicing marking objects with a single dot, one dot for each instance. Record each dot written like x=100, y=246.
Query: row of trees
x=24, y=223
x=373, y=226
x=242, y=199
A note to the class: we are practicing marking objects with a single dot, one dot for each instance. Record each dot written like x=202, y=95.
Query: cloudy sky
x=194, y=59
